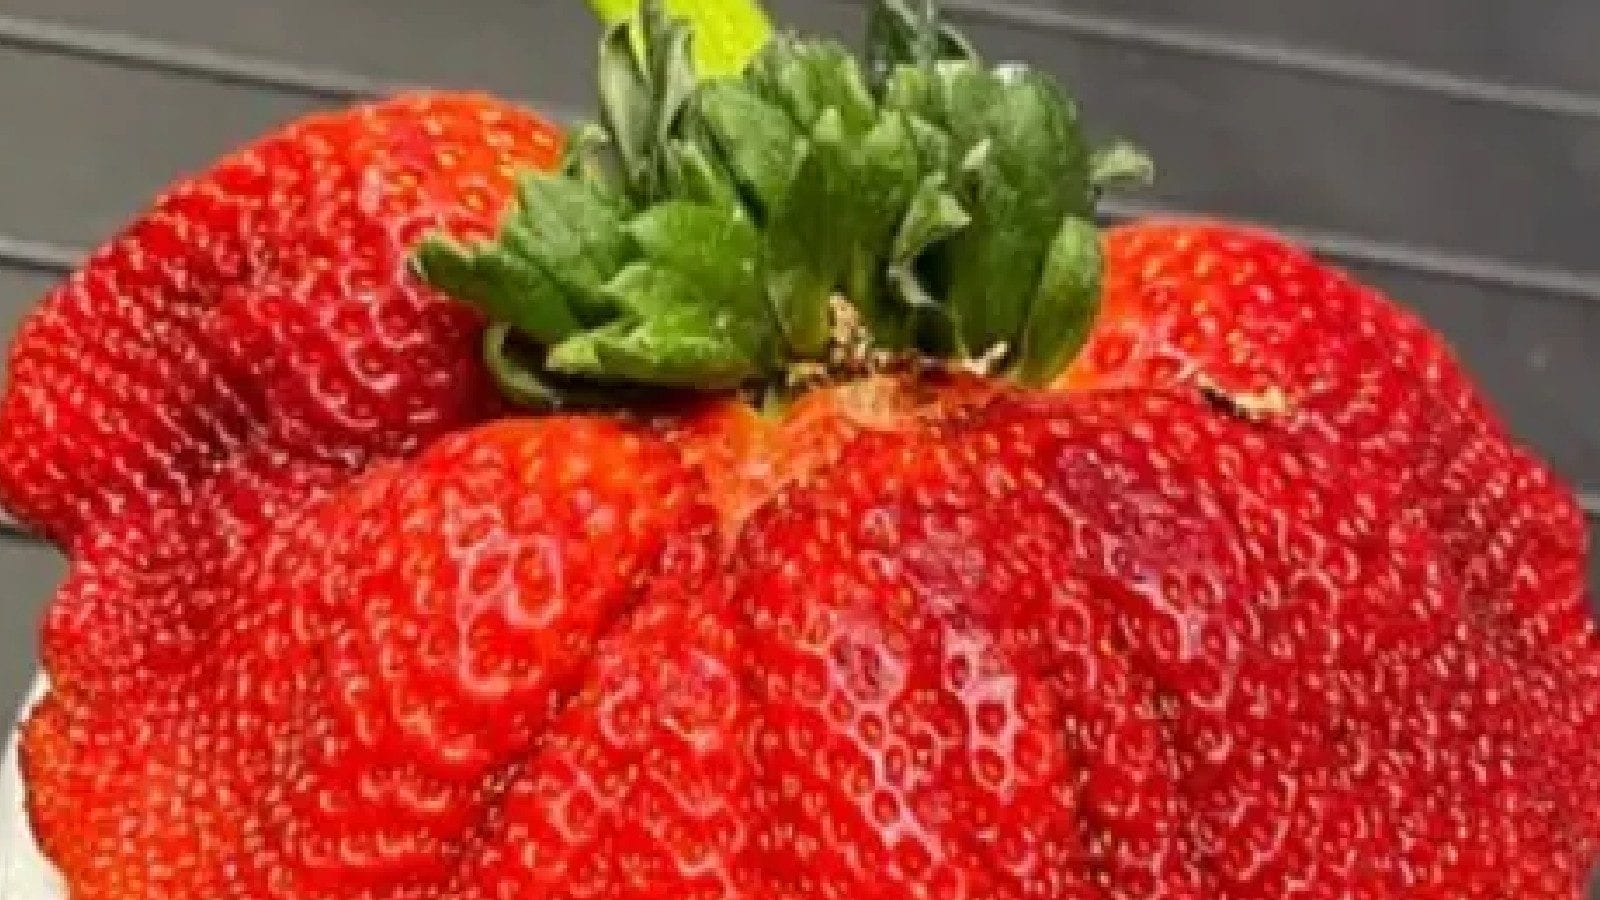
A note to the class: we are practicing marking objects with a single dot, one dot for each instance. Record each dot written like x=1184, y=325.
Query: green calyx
x=727, y=32
x=724, y=233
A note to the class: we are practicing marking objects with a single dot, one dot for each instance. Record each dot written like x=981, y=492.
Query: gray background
x=1446, y=149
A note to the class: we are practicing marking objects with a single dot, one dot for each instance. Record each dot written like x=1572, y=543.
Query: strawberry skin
x=1494, y=607
x=245, y=344
x=266, y=302
x=1261, y=603
x=1012, y=646
x=361, y=681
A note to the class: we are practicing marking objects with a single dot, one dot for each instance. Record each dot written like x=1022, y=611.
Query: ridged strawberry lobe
x=266, y=302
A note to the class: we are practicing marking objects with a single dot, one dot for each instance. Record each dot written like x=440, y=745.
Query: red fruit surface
x=265, y=306
x=1262, y=603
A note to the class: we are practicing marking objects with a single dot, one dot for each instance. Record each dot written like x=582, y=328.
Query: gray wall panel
x=525, y=48
x=28, y=576
x=87, y=144
x=1321, y=154
x=1550, y=42
x=1594, y=567
x=537, y=50
x=28, y=571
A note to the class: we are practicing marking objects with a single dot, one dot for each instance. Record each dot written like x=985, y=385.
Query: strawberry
x=248, y=342
x=868, y=526
x=265, y=303
x=1495, y=609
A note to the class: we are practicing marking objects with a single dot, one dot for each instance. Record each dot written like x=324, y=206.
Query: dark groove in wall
x=1386, y=74
x=38, y=256
x=206, y=64
x=10, y=530
x=199, y=62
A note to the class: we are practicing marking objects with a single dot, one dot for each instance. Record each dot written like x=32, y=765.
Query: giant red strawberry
x=873, y=527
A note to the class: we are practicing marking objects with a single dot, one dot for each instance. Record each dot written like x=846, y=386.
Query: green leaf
x=1120, y=164
x=626, y=100
x=647, y=80
x=696, y=239
x=588, y=155
x=934, y=215
x=517, y=377
x=909, y=89
x=900, y=33
x=835, y=227
x=712, y=248
x=573, y=231
x=546, y=270
x=883, y=179
x=759, y=141
x=806, y=252
x=692, y=313
x=689, y=347
x=727, y=32
x=976, y=157
x=671, y=69
x=519, y=372
x=832, y=179
x=1023, y=169
x=693, y=174
x=935, y=149
x=909, y=33
x=507, y=286
x=887, y=177
x=1064, y=305
x=914, y=94
x=953, y=45
x=807, y=79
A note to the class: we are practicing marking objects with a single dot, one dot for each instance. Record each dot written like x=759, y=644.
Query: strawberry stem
x=712, y=234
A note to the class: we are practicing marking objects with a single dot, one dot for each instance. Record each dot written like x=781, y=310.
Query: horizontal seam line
x=38, y=256
x=214, y=65
x=217, y=66
x=1472, y=268
x=11, y=529
x=1325, y=64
